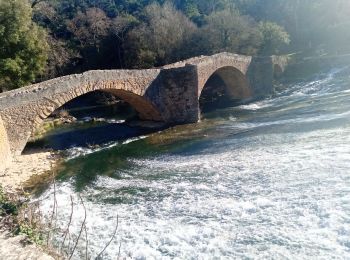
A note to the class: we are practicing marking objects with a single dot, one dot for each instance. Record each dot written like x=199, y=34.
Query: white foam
x=254, y=106
x=76, y=152
x=281, y=201
x=265, y=195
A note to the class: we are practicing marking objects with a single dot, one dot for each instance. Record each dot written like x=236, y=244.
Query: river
x=268, y=179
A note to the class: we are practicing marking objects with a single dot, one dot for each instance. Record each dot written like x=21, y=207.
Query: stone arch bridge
x=169, y=94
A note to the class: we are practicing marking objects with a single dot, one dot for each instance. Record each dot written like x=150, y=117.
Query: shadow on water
x=90, y=135
x=98, y=118
x=84, y=169
x=109, y=162
x=117, y=160
x=112, y=161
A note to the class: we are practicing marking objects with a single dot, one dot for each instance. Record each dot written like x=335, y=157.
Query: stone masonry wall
x=4, y=148
x=179, y=95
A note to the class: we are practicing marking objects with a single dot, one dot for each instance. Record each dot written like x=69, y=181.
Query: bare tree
x=227, y=30
x=120, y=27
x=165, y=31
x=90, y=27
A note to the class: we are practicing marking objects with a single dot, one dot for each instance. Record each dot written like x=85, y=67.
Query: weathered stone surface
x=13, y=248
x=169, y=94
x=4, y=147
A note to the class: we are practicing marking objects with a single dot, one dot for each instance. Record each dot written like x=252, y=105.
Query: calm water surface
x=270, y=179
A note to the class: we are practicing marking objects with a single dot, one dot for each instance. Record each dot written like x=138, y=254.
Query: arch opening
x=94, y=105
x=93, y=119
x=225, y=87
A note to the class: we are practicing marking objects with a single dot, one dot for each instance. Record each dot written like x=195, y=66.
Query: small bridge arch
x=236, y=83
x=144, y=107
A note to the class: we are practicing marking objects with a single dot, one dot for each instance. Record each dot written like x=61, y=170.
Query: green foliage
x=159, y=38
x=23, y=47
x=109, y=34
x=32, y=233
x=11, y=208
x=313, y=26
x=228, y=31
x=274, y=37
x=7, y=207
x=189, y=7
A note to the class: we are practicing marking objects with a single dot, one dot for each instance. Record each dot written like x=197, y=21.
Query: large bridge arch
x=144, y=107
x=230, y=70
x=26, y=108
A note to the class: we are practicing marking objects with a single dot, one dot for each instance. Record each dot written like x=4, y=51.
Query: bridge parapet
x=207, y=59
x=130, y=80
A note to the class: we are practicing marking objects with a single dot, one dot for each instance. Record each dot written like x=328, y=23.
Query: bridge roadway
x=169, y=94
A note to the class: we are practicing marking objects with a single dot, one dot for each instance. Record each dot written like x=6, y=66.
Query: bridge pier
x=178, y=96
x=262, y=72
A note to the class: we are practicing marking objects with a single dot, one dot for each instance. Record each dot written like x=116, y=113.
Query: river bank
x=15, y=180
x=24, y=167
x=36, y=167
x=15, y=247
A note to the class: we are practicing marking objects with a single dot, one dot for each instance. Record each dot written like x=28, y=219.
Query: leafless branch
x=110, y=241
x=66, y=232
x=54, y=209
x=86, y=244
x=81, y=229
x=120, y=246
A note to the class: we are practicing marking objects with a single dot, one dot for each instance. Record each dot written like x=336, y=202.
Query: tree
x=23, y=46
x=157, y=41
x=90, y=27
x=60, y=58
x=188, y=7
x=91, y=30
x=227, y=30
x=273, y=38
x=121, y=25
x=207, y=7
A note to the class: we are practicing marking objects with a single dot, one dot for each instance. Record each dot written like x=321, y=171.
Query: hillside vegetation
x=43, y=39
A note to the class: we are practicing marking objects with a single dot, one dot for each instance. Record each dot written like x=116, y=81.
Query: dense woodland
x=42, y=39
